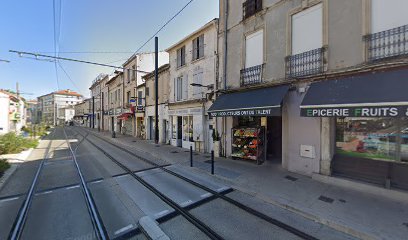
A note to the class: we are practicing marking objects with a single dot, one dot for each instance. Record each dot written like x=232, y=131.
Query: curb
x=151, y=229
x=9, y=172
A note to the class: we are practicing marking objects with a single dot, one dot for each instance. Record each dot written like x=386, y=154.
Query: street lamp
x=209, y=87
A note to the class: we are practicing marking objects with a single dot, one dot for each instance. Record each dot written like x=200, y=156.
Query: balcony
x=252, y=75
x=387, y=44
x=251, y=7
x=305, y=64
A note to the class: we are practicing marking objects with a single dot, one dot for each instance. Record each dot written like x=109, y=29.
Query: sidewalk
x=361, y=214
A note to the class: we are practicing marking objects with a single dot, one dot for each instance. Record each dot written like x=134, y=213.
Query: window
x=198, y=47
x=254, y=49
x=188, y=128
x=147, y=92
x=250, y=7
x=307, y=30
x=128, y=97
x=179, y=88
x=140, y=98
x=181, y=56
x=128, y=75
x=386, y=15
x=198, y=79
x=133, y=72
x=374, y=138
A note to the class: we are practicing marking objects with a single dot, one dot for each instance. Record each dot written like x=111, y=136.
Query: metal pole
x=212, y=162
x=93, y=112
x=191, y=156
x=156, y=90
x=103, y=112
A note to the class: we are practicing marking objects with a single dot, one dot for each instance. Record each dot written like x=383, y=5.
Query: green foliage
x=11, y=143
x=36, y=130
x=4, y=165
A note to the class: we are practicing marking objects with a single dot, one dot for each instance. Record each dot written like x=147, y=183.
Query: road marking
x=43, y=193
x=161, y=213
x=206, y=195
x=77, y=186
x=9, y=199
x=183, y=204
x=124, y=229
x=221, y=189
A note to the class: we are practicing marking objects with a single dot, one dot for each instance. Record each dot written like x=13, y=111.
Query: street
x=125, y=188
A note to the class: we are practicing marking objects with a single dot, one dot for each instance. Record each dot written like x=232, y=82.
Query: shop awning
x=125, y=116
x=383, y=94
x=259, y=102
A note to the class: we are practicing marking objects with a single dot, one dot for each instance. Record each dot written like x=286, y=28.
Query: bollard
x=191, y=156
x=212, y=162
x=113, y=134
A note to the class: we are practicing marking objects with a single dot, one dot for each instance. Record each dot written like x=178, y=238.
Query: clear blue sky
x=86, y=25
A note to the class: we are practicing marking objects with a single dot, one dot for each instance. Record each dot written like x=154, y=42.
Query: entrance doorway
x=179, y=128
x=274, y=139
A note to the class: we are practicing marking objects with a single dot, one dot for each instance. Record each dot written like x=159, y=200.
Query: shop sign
x=237, y=113
x=189, y=111
x=395, y=111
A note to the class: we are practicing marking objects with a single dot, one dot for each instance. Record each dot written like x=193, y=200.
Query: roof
x=161, y=69
x=67, y=92
x=207, y=25
x=114, y=78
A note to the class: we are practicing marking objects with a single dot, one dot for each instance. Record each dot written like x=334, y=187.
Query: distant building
x=49, y=104
x=32, y=112
x=12, y=112
x=66, y=114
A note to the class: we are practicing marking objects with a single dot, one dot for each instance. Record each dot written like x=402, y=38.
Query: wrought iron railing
x=387, y=44
x=252, y=75
x=306, y=63
x=250, y=7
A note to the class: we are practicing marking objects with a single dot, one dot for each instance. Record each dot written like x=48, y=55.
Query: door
x=274, y=138
x=179, y=128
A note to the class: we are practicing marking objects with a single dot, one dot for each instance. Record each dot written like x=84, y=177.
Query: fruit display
x=247, y=143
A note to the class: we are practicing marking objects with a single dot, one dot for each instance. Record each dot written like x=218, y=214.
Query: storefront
x=187, y=128
x=253, y=121
x=370, y=124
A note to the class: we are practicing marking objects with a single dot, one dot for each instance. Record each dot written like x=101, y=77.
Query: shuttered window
x=388, y=14
x=254, y=49
x=307, y=30
x=181, y=56
x=198, y=47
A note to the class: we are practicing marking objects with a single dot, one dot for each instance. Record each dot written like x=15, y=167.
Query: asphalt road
x=59, y=208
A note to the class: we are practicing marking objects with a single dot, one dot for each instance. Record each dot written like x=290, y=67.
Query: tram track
x=184, y=210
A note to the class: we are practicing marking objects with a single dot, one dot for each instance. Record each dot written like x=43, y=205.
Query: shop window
x=373, y=138
x=188, y=128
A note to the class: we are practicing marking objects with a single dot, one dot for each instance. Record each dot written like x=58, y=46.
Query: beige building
x=163, y=100
x=82, y=111
x=284, y=70
x=193, y=68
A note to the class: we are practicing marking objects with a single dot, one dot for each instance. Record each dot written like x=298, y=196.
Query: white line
x=77, y=186
x=43, y=193
x=183, y=204
x=97, y=181
x=161, y=213
x=124, y=229
x=206, y=195
x=9, y=199
x=222, y=189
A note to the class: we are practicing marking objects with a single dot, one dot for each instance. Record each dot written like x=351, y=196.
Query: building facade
x=193, y=68
x=284, y=69
x=13, y=109
x=163, y=99
x=50, y=104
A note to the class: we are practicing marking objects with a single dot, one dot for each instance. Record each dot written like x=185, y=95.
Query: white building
x=12, y=112
x=50, y=104
x=192, y=76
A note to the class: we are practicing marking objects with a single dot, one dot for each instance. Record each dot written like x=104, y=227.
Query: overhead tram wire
x=36, y=55
x=69, y=77
x=158, y=31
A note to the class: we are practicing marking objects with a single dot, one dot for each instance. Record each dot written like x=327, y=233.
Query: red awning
x=125, y=116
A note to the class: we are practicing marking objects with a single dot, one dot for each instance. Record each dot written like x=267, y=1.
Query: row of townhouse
x=318, y=86
x=12, y=112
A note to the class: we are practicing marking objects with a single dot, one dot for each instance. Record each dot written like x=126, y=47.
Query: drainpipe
x=225, y=71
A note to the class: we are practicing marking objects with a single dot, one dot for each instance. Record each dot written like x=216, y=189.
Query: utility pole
x=103, y=112
x=93, y=112
x=156, y=91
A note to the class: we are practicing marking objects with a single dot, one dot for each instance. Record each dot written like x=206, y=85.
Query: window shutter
x=254, y=49
x=194, y=49
x=201, y=46
x=185, y=87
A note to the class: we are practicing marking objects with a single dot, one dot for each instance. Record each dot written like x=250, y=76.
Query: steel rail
x=18, y=225
x=100, y=229
x=196, y=222
x=250, y=210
